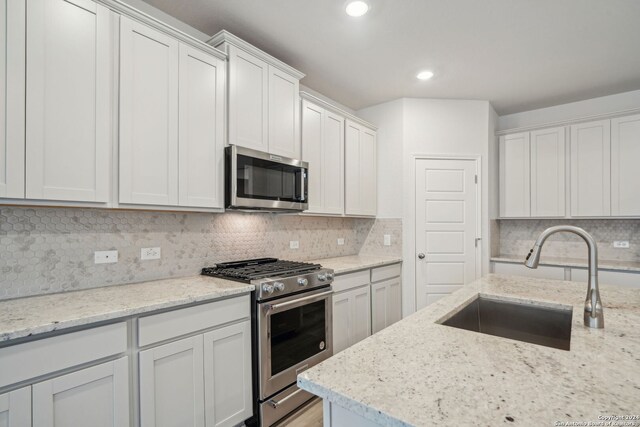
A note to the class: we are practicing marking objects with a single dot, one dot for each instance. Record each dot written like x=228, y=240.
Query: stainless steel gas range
x=291, y=328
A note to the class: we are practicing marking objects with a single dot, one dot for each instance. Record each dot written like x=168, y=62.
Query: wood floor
x=309, y=416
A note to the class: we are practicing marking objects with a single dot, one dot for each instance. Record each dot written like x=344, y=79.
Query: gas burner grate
x=249, y=270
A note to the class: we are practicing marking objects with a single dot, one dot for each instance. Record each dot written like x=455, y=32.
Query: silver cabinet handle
x=421, y=255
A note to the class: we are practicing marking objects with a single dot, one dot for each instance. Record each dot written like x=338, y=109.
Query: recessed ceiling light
x=425, y=75
x=357, y=8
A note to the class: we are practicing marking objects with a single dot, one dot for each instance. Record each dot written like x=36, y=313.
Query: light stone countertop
x=23, y=317
x=419, y=373
x=28, y=316
x=347, y=264
x=630, y=266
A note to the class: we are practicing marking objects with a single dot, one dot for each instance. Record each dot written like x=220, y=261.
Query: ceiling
x=518, y=54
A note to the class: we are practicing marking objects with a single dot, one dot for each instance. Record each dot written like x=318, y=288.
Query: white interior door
x=446, y=227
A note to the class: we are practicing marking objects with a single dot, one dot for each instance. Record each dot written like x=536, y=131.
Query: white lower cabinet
x=15, y=408
x=361, y=307
x=351, y=317
x=203, y=380
x=386, y=303
x=97, y=396
x=227, y=375
x=172, y=384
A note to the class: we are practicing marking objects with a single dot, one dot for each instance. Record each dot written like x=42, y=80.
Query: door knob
x=421, y=255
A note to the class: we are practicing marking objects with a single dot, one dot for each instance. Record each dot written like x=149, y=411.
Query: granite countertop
x=347, y=264
x=417, y=372
x=23, y=317
x=573, y=262
x=28, y=316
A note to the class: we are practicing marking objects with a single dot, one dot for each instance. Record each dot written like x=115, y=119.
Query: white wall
x=389, y=119
x=576, y=110
x=410, y=127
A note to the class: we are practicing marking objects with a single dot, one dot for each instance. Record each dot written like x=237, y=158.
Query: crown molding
x=127, y=10
x=225, y=36
x=569, y=122
x=328, y=106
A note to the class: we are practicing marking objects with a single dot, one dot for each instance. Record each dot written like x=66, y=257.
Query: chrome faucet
x=593, y=316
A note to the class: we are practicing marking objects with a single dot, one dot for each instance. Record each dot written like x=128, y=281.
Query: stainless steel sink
x=534, y=324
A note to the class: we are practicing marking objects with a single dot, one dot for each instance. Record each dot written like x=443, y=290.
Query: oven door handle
x=275, y=403
x=296, y=302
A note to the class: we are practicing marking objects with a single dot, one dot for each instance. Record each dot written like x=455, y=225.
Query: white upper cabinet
x=548, y=172
x=248, y=100
x=264, y=101
x=360, y=170
x=625, y=166
x=201, y=129
x=591, y=169
x=68, y=100
x=515, y=190
x=148, y=115
x=323, y=149
x=284, y=114
x=12, y=87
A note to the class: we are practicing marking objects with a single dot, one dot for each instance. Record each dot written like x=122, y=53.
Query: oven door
x=257, y=180
x=294, y=334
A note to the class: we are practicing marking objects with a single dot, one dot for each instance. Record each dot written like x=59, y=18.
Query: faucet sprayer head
x=533, y=258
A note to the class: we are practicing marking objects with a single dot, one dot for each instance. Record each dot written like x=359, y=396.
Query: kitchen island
x=418, y=372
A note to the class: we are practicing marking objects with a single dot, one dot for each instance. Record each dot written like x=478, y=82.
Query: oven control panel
x=280, y=286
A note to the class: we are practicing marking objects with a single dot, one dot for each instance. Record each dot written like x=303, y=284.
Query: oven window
x=267, y=180
x=296, y=335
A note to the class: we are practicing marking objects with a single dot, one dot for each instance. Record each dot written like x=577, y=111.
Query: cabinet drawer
x=35, y=358
x=172, y=324
x=351, y=280
x=386, y=272
x=620, y=278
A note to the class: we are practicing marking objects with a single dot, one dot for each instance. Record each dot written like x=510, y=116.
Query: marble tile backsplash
x=518, y=236
x=46, y=250
x=374, y=243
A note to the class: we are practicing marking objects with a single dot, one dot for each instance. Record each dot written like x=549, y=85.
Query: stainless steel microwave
x=255, y=180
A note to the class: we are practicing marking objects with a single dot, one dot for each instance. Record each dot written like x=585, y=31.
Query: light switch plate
x=150, y=253
x=387, y=239
x=294, y=244
x=621, y=244
x=340, y=241
x=105, y=257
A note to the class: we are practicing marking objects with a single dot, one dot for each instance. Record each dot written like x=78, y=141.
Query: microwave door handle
x=302, y=176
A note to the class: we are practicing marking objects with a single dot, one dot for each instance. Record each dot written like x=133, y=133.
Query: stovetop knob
x=322, y=277
x=267, y=288
x=329, y=276
x=278, y=286
x=302, y=281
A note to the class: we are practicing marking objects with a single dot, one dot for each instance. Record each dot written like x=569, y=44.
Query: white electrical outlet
x=621, y=244
x=387, y=239
x=294, y=244
x=340, y=241
x=149, y=253
x=105, y=257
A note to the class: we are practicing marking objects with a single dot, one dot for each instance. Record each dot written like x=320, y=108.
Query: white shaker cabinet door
x=386, y=304
x=284, y=114
x=368, y=181
x=515, y=190
x=591, y=169
x=342, y=321
x=361, y=305
x=201, y=129
x=97, y=396
x=68, y=100
x=148, y=115
x=227, y=375
x=312, y=152
x=548, y=172
x=352, y=196
x=625, y=166
x=15, y=408
x=12, y=87
x=333, y=163
x=172, y=384
x=248, y=100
